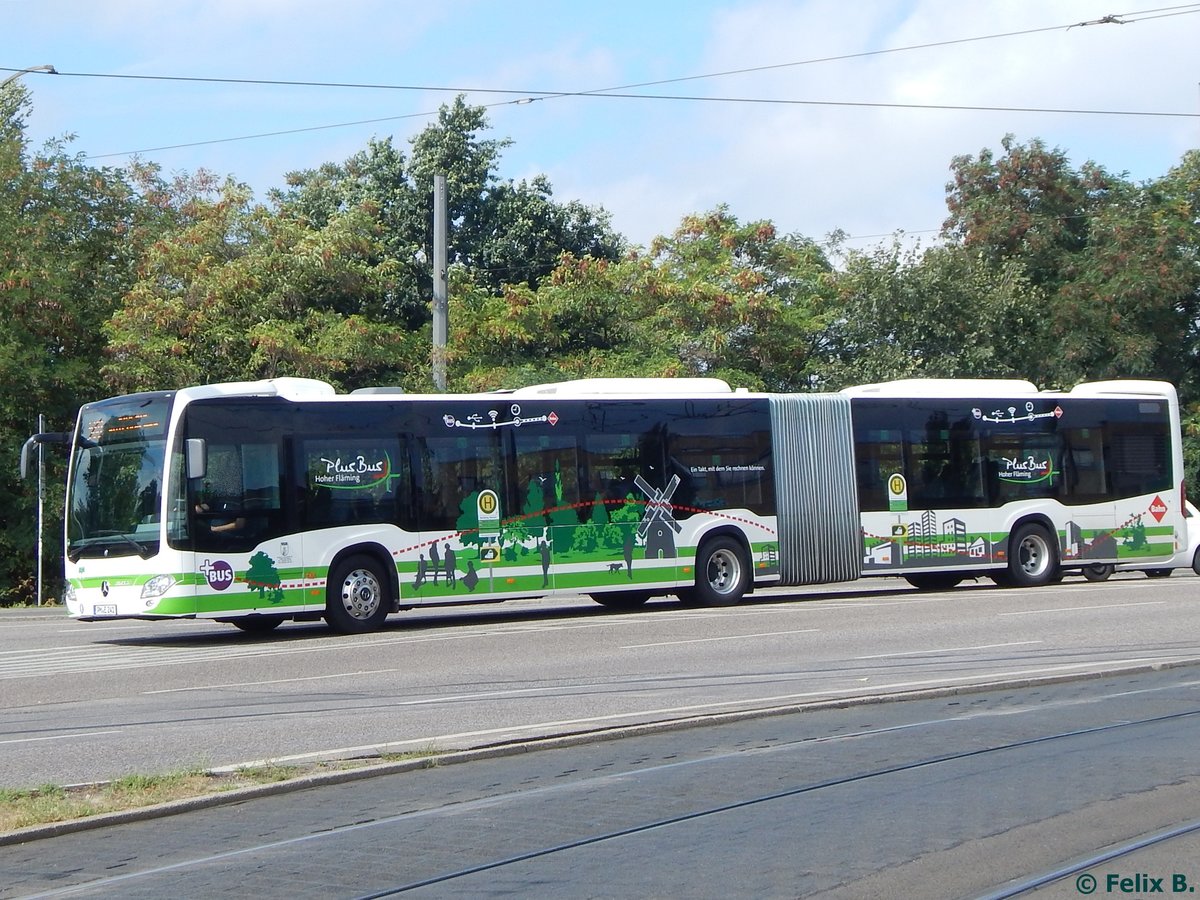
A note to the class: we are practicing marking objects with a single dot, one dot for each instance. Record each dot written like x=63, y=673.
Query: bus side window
x=1086, y=460
x=879, y=455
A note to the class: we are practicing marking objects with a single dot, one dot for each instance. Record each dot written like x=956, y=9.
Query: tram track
x=1024, y=887
x=1083, y=867
x=313, y=843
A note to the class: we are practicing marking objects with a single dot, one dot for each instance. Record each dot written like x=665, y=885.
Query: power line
x=618, y=91
x=699, y=99
x=264, y=134
x=1116, y=18
x=881, y=105
x=1191, y=7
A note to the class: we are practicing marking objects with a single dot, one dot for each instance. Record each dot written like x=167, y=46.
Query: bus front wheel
x=357, y=598
x=622, y=599
x=722, y=573
x=1033, y=558
x=255, y=624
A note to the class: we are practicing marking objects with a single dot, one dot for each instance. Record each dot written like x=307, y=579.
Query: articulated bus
x=260, y=502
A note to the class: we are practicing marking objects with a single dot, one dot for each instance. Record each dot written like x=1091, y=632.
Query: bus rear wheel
x=1098, y=571
x=722, y=573
x=357, y=598
x=1033, y=558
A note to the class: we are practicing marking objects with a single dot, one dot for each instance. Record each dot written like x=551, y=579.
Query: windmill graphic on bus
x=658, y=522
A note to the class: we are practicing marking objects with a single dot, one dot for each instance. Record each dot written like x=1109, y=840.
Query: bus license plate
x=105, y=609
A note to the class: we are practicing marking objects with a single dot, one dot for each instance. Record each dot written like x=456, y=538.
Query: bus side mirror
x=195, y=457
x=45, y=437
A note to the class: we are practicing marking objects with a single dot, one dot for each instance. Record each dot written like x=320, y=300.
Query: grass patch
x=430, y=753
x=49, y=803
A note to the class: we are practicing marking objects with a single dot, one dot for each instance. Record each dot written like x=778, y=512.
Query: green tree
x=738, y=301
x=69, y=234
x=716, y=299
x=241, y=293
x=941, y=313
x=1114, y=261
x=373, y=182
x=1132, y=308
x=500, y=230
x=1030, y=204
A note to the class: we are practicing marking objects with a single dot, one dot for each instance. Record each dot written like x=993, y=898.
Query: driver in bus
x=215, y=522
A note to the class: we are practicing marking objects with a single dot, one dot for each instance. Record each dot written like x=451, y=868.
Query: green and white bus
x=258, y=502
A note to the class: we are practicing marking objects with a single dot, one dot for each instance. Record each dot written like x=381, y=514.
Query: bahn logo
x=1158, y=509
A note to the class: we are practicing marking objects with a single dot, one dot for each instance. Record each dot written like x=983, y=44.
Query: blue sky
x=810, y=168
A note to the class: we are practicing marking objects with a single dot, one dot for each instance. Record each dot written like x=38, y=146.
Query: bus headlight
x=157, y=586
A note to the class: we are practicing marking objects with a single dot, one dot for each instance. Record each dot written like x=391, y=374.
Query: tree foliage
x=70, y=235
x=239, y=293
x=1114, y=261
x=504, y=232
x=717, y=298
x=941, y=313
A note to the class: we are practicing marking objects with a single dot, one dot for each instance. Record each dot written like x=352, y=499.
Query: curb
x=10, y=613
x=549, y=742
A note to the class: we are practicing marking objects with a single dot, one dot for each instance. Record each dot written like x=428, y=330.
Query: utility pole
x=441, y=308
x=41, y=506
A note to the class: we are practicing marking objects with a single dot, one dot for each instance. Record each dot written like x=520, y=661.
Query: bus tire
x=1158, y=573
x=357, y=598
x=722, y=573
x=622, y=599
x=257, y=624
x=1033, y=556
x=934, y=581
x=1098, y=571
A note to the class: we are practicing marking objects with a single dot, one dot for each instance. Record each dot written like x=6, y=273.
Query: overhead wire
x=620, y=91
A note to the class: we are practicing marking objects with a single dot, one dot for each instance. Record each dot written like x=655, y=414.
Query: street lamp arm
x=48, y=69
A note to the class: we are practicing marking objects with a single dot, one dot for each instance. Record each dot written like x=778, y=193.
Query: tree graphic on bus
x=262, y=576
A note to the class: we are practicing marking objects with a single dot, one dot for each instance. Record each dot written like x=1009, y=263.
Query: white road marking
x=1034, y=612
x=724, y=637
x=949, y=650
x=60, y=737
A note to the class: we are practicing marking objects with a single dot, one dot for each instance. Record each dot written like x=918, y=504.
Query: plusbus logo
x=218, y=574
x=355, y=473
x=1026, y=469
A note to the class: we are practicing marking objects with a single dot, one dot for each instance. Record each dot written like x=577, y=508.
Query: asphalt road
x=984, y=794
x=83, y=702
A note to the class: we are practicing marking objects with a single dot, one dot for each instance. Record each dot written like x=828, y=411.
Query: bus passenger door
x=189, y=580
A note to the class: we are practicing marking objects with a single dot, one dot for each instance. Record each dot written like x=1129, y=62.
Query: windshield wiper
x=75, y=551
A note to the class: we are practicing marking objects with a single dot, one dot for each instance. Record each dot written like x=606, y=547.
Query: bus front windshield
x=114, y=501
